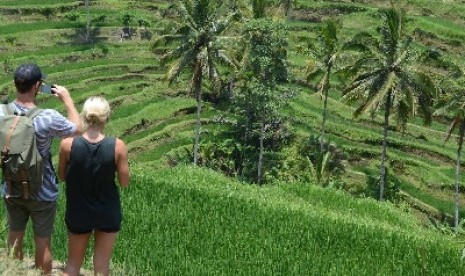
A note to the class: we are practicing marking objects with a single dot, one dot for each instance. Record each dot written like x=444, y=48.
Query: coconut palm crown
x=199, y=46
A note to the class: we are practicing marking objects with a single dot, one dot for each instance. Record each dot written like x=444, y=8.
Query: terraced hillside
x=157, y=122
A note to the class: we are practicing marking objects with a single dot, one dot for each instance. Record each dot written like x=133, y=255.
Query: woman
x=89, y=164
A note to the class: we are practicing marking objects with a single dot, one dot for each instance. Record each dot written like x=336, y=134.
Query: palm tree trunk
x=197, y=86
x=88, y=21
x=325, y=107
x=382, y=180
x=248, y=127
x=457, y=174
x=260, y=156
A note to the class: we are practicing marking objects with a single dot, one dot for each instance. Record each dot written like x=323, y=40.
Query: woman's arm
x=122, y=163
x=63, y=157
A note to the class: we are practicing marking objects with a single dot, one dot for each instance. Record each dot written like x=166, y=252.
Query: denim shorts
x=42, y=214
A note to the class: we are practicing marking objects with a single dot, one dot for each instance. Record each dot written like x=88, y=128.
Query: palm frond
x=221, y=25
x=323, y=84
x=362, y=81
x=368, y=75
x=186, y=11
x=451, y=128
x=356, y=92
x=181, y=64
x=176, y=53
x=315, y=73
x=165, y=40
x=361, y=42
x=224, y=59
x=379, y=89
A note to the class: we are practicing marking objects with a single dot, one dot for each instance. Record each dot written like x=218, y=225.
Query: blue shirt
x=48, y=124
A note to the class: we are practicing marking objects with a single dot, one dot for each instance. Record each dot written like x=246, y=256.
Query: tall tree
x=452, y=105
x=387, y=76
x=198, y=38
x=323, y=58
x=264, y=68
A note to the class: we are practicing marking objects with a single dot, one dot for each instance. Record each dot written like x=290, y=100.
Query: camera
x=47, y=88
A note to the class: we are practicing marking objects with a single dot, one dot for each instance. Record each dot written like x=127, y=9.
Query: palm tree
x=387, y=76
x=454, y=103
x=198, y=39
x=324, y=55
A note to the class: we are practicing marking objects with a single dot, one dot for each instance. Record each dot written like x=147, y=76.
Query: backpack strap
x=7, y=109
x=6, y=150
x=6, y=147
x=10, y=109
x=33, y=112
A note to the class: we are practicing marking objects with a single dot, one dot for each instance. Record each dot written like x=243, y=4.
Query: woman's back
x=91, y=192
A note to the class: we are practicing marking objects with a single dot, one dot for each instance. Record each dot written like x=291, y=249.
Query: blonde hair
x=95, y=111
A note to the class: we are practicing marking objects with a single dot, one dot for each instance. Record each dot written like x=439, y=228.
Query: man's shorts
x=42, y=214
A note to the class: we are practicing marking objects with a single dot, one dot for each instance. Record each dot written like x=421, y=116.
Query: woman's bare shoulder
x=66, y=142
x=120, y=145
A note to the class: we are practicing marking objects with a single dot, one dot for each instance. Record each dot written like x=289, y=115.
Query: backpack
x=21, y=162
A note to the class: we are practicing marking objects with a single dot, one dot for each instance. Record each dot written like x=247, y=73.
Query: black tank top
x=92, y=198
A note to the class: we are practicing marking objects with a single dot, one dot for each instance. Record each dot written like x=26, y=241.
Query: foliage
x=142, y=22
x=11, y=40
x=100, y=18
x=156, y=120
x=72, y=16
x=198, y=47
x=308, y=162
x=127, y=18
x=47, y=12
x=391, y=189
x=259, y=8
x=263, y=69
x=223, y=156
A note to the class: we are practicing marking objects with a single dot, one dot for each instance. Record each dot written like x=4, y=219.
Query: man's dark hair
x=26, y=76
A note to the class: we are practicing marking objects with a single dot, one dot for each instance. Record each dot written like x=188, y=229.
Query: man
x=40, y=206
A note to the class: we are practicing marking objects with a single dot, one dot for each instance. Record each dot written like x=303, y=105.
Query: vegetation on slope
x=188, y=220
x=157, y=121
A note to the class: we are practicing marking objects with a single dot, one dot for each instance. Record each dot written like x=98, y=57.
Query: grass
x=205, y=224
x=8, y=266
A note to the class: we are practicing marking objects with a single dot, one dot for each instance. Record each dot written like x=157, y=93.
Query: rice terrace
x=266, y=137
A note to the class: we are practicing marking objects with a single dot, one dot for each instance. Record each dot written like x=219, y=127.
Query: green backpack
x=21, y=162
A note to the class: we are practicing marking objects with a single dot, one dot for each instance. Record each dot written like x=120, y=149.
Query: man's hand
x=61, y=92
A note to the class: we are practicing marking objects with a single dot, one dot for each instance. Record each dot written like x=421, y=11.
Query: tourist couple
x=89, y=162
